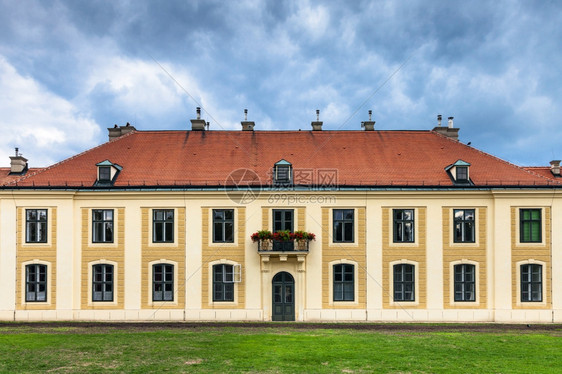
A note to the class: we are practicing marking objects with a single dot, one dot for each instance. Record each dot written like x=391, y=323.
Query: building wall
x=70, y=254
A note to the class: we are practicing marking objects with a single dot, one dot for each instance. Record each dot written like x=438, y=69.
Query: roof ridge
x=521, y=168
x=15, y=182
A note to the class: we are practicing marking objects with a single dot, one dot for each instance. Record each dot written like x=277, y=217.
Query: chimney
x=370, y=124
x=117, y=131
x=127, y=129
x=448, y=131
x=317, y=126
x=247, y=125
x=554, y=167
x=114, y=132
x=18, y=164
x=198, y=124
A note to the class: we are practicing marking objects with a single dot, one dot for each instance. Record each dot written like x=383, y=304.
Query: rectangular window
x=102, y=282
x=464, y=225
x=343, y=225
x=102, y=225
x=282, y=220
x=531, y=283
x=465, y=283
x=404, y=225
x=223, y=225
x=36, y=225
x=105, y=173
x=163, y=226
x=36, y=283
x=282, y=175
x=462, y=173
x=163, y=282
x=404, y=282
x=344, y=282
x=530, y=226
x=223, y=282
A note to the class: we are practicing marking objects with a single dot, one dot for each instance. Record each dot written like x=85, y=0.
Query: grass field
x=278, y=348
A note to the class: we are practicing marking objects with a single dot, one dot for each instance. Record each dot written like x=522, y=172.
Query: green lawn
x=60, y=348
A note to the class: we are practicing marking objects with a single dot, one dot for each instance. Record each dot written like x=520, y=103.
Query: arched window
x=223, y=282
x=163, y=282
x=404, y=282
x=35, y=283
x=102, y=282
x=344, y=282
x=465, y=282
x=531, y=283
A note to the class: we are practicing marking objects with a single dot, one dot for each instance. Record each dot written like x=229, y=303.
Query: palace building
x=199, y=225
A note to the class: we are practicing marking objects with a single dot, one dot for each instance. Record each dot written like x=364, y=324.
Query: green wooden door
x=283, y=297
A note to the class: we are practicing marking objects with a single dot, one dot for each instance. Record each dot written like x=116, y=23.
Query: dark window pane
x=530, y=226
x=403, y=225
x=223, y=278
x=223, y=225
x=102, y=282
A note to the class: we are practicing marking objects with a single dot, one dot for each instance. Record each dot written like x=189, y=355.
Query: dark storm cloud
x=492, y=65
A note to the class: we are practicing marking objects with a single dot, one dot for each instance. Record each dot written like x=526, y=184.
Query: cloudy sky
x=71, y=69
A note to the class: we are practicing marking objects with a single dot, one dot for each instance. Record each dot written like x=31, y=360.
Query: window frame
x=223, y=286
x=343, y=221
x=523, y=222
x=104, y=223
x=528, y=283
x=399, y=224
x=102, y=171
x=223, y=222
x=461, y=173
x=166, y=280
x=288, y=169
x=168, y=225
x=104, y=282
x=403, y=282
x=347, y=286
x=464, y=283
x=283, y=221
x=463, y=222
x=37, y=282
x=35, y=225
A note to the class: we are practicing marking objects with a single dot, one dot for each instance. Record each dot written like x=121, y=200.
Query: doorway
x=283, y=297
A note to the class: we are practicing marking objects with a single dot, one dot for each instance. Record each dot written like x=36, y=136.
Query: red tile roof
x=6, y=177
x=360, y=158
x=543, y=171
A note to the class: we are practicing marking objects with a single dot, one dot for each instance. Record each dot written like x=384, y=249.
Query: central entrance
x=283, y=297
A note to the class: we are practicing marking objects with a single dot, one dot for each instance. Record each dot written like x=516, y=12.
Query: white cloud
x=312, y=20
x=37, y=121
x=141, y=85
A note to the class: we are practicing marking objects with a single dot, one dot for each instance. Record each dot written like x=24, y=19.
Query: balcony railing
x=283, y=246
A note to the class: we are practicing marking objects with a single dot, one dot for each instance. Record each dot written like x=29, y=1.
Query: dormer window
x=462, y=173
x=107, y=173
x=459, y=172
x=282, y=173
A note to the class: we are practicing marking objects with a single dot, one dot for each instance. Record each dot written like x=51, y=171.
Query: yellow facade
x=408, y=253
x=344, y=253
x=165, y=253
x=217, y=253
x=523, y=253
x=103, y=253
x=70, y=253
x=37, y=253
x=469, y=253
